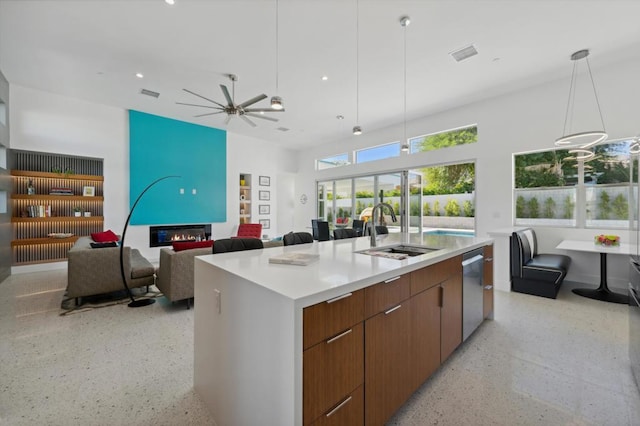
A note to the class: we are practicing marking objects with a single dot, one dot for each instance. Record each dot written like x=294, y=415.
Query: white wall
x=523, y=121
x=42, y=121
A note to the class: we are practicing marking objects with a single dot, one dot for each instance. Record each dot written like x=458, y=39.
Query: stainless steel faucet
x=373, y=219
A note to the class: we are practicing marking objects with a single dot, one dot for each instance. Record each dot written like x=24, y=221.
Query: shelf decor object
x=142, y=302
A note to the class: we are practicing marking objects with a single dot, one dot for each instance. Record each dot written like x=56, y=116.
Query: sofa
x=176, y=271
x=93, y=271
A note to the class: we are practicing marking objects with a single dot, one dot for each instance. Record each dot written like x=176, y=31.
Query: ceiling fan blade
x=225, y=91
x=264, y=117
x=209, y=113
x=263, y=110
x=205, y=98
x=203, y=106
x=253, y=100
x=226, y=120
x=249, y=122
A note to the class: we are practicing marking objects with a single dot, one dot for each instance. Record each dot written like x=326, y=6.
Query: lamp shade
x=276, y=103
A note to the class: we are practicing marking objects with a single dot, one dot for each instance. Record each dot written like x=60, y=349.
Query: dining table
x=602, y=292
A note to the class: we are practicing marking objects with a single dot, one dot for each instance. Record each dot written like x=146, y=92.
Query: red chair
x=250, y=230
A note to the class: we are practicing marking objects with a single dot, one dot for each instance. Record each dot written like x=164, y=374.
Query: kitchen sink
x=398, y=251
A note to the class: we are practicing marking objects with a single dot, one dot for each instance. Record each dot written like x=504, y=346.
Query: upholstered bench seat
x=533, y=273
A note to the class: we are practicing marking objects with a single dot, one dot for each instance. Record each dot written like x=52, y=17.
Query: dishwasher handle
x=474, y=259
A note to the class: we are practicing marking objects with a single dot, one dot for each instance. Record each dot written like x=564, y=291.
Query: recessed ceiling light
x=139, y=75
x=171, y=2
x=325, y=78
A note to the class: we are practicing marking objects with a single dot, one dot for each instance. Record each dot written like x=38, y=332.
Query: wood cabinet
x=47, y=191
x=387, y=373
x=451, y=315
x=436, y=316
x=425, y=333
x=333, y=360
x=487, y=282
x=366, y=352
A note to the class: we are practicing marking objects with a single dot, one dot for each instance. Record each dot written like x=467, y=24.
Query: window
x=335, y=161
x=460, y=136
x=438, y=199
x=553, y=188
x=378, y=152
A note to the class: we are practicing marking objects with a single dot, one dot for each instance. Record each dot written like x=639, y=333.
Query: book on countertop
x=295, y=258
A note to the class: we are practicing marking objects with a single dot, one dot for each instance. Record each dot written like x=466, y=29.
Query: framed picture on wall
x=264, y=181
x=266, y=223
x=264, y=209
x=264, y=195
x=88, y=191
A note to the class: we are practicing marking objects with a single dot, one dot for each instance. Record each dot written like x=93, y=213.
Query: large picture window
x=553, y=188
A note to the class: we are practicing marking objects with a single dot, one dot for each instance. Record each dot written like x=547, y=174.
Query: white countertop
x=339, y=269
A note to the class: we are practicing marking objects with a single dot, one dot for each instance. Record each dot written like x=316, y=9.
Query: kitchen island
x=269, y=335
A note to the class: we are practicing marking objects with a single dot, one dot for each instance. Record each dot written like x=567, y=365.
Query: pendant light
x=276, y=101
x=404, y=147
x=583, y=139
x=357, y=130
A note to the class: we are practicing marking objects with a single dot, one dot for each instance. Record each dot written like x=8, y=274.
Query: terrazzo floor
x=540, y=362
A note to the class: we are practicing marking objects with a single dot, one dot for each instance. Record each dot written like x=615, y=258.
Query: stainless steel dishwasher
x=472, y=291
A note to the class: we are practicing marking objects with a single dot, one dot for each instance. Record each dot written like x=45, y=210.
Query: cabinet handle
x=489, y=259
x=335, y=299
x=330, y=413
x=441, y=296
x=488, y=287
x=391, y=279
x=392, y=309
x=333, y=339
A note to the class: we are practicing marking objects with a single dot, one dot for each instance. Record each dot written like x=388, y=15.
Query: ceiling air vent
x=464, y=53
x=149, y=93
x=283, y=129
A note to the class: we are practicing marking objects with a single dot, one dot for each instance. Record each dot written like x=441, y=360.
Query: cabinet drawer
x=431, y=275
x=380, y=297
x=331, y=370
x=326, y=319
x=349, y=411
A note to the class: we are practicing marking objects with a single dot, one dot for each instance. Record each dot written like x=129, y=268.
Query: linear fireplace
x=165, y=235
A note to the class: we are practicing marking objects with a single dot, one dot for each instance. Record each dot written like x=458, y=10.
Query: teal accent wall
x=161, y=146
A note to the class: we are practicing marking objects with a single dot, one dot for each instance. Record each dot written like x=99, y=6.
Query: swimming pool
x=451, y=232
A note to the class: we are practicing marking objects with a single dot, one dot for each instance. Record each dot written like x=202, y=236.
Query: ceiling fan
x=233, y=109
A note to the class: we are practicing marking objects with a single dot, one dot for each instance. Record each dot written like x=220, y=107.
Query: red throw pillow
x=186, y=245
x=104, y=237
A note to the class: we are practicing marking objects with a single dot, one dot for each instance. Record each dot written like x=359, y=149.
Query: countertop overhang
x=339, y=269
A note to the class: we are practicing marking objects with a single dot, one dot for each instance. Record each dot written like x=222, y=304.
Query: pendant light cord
x=404, y=134
x=357, y=62
x=571, y=92
x=595, y=93
x=277, y=50
x=571, y=102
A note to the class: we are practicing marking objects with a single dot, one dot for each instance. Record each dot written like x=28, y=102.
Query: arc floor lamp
x=140, y=302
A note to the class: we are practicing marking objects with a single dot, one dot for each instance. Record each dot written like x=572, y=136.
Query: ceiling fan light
x=357, y=130
x=584, y=139
x=276, y=103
